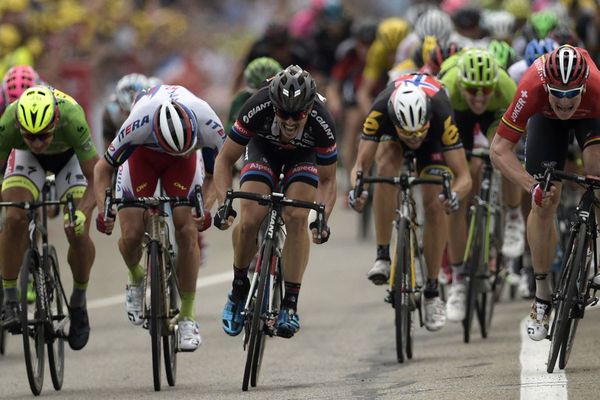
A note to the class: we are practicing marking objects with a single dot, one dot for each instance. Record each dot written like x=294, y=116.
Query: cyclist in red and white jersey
x=158, y=140
x=557, y=97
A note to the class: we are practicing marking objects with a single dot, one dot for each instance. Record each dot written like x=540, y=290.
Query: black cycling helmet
x=292, y=90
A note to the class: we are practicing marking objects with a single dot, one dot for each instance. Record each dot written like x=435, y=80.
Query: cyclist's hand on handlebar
x=105, y=226
x=325, y=233
x=78, y=226
x=541, y=198
x=357, y=202
x=202, y=223
x=223, y=221
x=450, y=205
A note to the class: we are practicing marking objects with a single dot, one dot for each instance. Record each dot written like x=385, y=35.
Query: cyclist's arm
x=364, y=158
x=208, y=191
x=229, y=154
x=503, y=157
x=102, y=179
x=363, y=94
x=327, y=190
x=457, y=161
x=87, y=202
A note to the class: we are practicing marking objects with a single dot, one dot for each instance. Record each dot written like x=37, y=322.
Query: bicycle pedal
x=146, y=324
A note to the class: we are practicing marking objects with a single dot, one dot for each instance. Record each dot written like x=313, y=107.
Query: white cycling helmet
x=127, y=88
x=436, y=23
x=500, y=24
x=175, y=128
x=409, y=107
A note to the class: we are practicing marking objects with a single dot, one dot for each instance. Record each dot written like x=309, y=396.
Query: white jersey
x=517, y=70
x=137, y=130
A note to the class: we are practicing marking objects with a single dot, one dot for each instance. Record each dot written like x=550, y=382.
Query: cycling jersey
x=531, y=98
x=71, y=132
x=137, y=130
x=257, y=119
x=112, y=119
x=517, y=70
x=378, y=61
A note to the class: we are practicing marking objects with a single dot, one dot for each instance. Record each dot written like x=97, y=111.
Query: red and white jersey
x=137, y=128
x=532, y=98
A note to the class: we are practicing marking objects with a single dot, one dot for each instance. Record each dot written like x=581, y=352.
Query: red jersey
x=531, y=98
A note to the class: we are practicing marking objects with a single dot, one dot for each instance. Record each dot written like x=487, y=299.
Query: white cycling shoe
x=513, y=245
x=435, y=314
x=539, y=320
x=133, y=303
x=380, y=272
x=457, y=302
x=189, y=334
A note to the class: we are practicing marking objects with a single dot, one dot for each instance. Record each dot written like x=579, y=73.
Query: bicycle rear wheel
x=156, y=312
x=256, y=341
x=401, y=292
x=56, y=345
x=170, y=340
x=32, y=325
x=578, y=305
x=563, y=297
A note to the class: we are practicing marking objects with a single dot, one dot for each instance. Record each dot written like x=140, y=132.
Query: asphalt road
x=344, y=350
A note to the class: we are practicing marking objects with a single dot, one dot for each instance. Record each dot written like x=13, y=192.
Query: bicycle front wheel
x=401, y=292
x=256, y=341
x=32, y=325
x=156, y=312
x=473, y=264
x=564, y=296
x=170, y=340
x=56, y=345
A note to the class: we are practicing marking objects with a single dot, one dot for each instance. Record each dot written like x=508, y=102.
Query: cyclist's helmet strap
x=566, y=67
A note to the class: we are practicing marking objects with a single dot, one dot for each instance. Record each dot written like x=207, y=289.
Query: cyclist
x=479, y=92
x=534, y=49
x=557, y=95
x=504, y=55
x=158, y=141
x=282, y=127
x=119, y=104
x=414, y=113
x=16, y=80
x=46, y=130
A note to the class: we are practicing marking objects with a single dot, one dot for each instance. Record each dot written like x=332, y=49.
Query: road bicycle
x=406, y=274
x=574, y=291
x=43, y=319
x=160, y=301
x=483, y=259
x=261, y=308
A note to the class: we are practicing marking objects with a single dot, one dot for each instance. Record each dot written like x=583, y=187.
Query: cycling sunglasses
x=474, y=91
x=418, y=134
x=38, y=136
x=569, y=94
x=296, y=116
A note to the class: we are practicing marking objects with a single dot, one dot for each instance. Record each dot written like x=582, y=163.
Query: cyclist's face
x=565, y=107
x=412, y=142
x=290, y=126
x=38, y=146
x=477, y=100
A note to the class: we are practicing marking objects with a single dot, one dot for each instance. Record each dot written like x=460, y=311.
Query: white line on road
x=120, y=298
x=536, y=383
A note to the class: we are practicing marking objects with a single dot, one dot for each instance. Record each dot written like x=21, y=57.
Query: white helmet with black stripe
x=409, y=107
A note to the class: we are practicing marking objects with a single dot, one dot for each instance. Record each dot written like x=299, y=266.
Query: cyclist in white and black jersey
x=159, y=140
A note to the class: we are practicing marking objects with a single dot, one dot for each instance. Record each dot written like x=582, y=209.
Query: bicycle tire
x=256, y=331
x=3, y=333
x=487, y=297
x=32, y=327
x=56, y=345
x=170, y=341
x=473, y=264
x=401, y=308
x=156, y=315
x=563, y=298
x=581, y=283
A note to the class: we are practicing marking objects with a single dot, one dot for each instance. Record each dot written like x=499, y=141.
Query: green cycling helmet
x=504, y=54
x=477, y=68
x=259, y=69
x=543, y=22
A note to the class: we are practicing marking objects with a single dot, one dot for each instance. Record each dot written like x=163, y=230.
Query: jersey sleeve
x=135, y=131
x=526, y=102
x=78, y=134
x=378, y=123
x=9, y=133
x=250, y=116
x=325, y=144
x=443, y=124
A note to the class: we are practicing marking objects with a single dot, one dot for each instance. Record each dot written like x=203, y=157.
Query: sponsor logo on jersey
x=371, y=125
x=246, y=118
x=309, y=168
x=539, y=67
x=133, y=126
x=141, y=187
x=323, y=124
x=450, y=135
x=179, y=186
x=519, y=106
x=241, y=130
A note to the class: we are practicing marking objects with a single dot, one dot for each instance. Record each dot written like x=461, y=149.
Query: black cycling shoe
x=79, y=331
x=11, y=316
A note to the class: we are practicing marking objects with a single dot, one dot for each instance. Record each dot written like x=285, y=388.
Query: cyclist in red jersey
x=557, y=97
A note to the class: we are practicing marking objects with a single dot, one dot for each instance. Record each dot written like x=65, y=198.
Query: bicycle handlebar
x=276, y=198
x=404, y=181
x=584, y=180
x=32, y=205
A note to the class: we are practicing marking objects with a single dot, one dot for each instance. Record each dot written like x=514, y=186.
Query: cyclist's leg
x=389, y=161
x=18, y=186
x=546, y=141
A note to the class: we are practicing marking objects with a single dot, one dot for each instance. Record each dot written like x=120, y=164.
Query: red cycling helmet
x=439, y=54
x=17, y=79
x=566, y=67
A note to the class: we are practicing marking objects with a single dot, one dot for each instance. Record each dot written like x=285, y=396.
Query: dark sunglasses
x=474, y=91
x=569, y=94
x=296, y=116
x=37, y=136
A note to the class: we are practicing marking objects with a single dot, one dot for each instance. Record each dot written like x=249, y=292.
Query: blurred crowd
x=84, y=46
